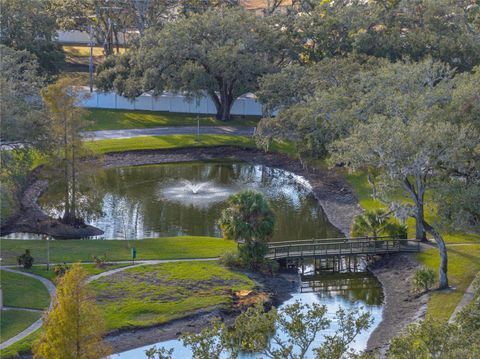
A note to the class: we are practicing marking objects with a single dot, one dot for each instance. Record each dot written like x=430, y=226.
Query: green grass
x=463, y=261
x=23, y=346
x=13, y=322
x=181, y=141
x=22, y=291
x=91, y=269
x=463, y=265
x=150, y=295
x=105, y=119
x=83, y=250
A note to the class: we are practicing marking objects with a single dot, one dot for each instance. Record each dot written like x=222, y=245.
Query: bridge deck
x=355, y=247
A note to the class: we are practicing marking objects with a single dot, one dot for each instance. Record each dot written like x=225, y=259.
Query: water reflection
x=153, y=201
x=334, y=290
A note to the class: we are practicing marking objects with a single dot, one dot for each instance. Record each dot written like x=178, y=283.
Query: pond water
x=345, y=290
x=187, y=198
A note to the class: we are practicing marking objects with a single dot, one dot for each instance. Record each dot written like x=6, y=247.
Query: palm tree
x=372, y=224
x=249, y=220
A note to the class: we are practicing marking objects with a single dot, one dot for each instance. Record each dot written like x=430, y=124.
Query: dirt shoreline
x=278, y=287
x=401, y=306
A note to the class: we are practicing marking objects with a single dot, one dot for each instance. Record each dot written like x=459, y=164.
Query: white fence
x=82, y=37
x=245, y=105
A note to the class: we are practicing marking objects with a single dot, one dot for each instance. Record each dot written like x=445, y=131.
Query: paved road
x=36, y=325
x=163, y=131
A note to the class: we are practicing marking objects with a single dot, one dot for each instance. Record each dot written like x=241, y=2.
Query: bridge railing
x=329, y=240
x=369, y=246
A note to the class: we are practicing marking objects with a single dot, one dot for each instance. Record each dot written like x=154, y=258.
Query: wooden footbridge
x=339, y=247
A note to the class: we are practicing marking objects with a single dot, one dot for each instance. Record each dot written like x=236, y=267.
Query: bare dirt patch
x=402, y=306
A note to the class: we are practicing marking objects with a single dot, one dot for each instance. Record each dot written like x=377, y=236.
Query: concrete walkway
x=51, y=288
x=164, y=131
x=36, y=325
x=466, y=299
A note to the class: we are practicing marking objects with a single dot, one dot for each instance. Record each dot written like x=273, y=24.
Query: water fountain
x=196, y=194
x=194, y=187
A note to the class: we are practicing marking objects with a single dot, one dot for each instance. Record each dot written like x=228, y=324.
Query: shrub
x=396, y=230
x=231, y=260
x=252, y=254
x=25, y=260
x=378, y=223
x=424, y=279
x=100, y=262
x=60, y=269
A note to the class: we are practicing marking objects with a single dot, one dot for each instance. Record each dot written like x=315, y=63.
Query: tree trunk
x=417, y=195
x=420, y=233
x=443, y=279
x=223, y=104
x=74, y=185
x=66, y=214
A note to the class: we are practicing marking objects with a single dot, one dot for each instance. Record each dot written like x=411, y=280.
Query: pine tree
x=73, y=326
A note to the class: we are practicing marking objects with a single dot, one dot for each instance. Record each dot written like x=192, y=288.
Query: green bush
x=424, y=279
x=25, y=260
x=378, y=223
x=231, y=260
x=396, y=230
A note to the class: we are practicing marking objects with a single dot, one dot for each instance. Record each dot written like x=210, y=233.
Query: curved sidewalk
x=51, y=289
x=164, y=131
x=37, y=324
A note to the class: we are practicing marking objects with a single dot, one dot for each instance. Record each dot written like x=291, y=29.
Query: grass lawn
x=149, y=295
x=13, y=322
x=106, y=119
x=463, y=265
x=91, y=269
x=463, y=261
x=23, y=346
x=22, y=291
x=83, y=250
x=81, y=54
x=181, y=141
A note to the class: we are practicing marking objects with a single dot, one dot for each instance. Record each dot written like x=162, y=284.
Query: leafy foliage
x=424, y=279
x=73, y=326
x=377, y=223
x=438, y=339
x=27, y=25
x=220, y=53
x=25, y=260
x=249, y=220
x=258, y=331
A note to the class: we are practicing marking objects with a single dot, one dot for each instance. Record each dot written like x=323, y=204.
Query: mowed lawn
x=83, y=250
x=106, y=119
x=13, y=322
x=90, y=268
x=182, y=141
x=23, y=292
x=463, y=259
x=155, y=294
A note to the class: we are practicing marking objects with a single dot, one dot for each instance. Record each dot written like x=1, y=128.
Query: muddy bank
x=401, y=306
x=32, y=219
x=278, y=288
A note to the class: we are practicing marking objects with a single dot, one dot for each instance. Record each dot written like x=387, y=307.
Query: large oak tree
x=220, y=53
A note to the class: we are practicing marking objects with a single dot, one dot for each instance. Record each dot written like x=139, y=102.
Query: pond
x=334, y=290
x=186, y=199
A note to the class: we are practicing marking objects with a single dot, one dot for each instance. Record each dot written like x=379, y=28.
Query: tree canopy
x=220, y=53
x=74, y=328
x=27, y=25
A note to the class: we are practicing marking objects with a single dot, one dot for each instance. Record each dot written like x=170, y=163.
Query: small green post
x=134, y=254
